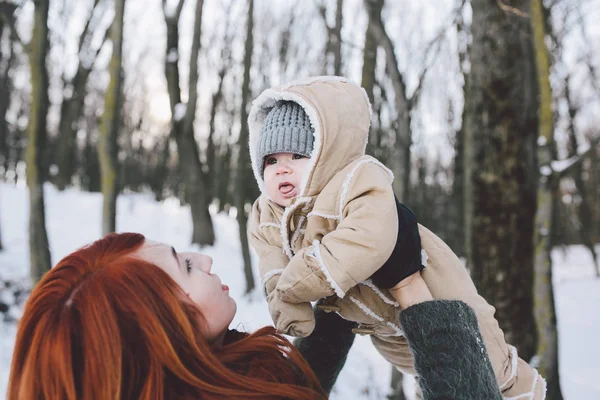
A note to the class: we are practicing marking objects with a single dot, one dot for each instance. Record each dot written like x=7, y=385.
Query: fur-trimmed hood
x=340, y=113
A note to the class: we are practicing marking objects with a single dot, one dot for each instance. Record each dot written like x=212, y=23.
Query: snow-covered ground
x=73, y=219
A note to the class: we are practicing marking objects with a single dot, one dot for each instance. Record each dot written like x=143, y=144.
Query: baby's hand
x=411, y=290
x=289, y=318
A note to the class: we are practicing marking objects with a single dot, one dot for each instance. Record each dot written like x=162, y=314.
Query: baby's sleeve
x=271, y=258
x=290, y=318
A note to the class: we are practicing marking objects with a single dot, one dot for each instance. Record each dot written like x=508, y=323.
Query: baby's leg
x=447, y=278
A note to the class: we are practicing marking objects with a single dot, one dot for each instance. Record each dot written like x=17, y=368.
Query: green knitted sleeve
x=449, y=352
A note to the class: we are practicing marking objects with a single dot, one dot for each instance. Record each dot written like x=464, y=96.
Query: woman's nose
x=206, y=263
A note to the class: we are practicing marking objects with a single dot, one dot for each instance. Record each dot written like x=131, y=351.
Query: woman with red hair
x=128, y=318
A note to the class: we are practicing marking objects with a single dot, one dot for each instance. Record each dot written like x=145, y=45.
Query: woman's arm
x=449, y=352
x=412, y=290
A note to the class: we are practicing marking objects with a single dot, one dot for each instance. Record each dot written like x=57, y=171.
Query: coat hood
x=340, y=113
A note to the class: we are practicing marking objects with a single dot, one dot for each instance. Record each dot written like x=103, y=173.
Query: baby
x=327, y=220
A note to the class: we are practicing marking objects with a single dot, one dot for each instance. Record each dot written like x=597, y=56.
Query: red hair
x=103, y=324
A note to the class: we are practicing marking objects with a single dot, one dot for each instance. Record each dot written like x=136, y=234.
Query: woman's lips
x=225, y=288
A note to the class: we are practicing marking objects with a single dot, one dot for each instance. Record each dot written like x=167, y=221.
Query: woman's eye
x=188, y=265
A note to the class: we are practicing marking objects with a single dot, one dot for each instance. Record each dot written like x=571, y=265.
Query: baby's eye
x=298, y=157
x=270, y=161
x=188, y=265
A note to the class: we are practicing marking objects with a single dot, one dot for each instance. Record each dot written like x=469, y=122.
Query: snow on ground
x=73, y=220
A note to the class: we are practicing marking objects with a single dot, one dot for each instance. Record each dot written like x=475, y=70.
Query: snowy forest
x=486, y=111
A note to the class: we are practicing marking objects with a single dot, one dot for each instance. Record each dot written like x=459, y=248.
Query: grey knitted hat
x=286, y=129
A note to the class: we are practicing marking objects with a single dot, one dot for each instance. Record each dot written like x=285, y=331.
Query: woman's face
x=192, y=272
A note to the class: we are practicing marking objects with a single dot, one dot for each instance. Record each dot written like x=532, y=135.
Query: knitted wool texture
x=449, y=352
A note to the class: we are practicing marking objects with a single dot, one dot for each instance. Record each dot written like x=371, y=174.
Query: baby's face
x=283, y=173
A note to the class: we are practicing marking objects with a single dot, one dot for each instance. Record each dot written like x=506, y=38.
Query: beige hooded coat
x=343, y=227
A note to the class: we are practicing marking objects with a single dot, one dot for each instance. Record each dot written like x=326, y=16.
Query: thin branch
x=177, y=10
x=437, y=40
x=512, y=10
x=86, y=28
x=563, y=167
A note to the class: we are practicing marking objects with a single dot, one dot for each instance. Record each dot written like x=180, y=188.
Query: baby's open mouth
x=287, y=189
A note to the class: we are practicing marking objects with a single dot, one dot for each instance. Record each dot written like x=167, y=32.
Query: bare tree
x=547, y=202
x=400, y=165
x=111, y=121
x=74, y=95
x=244, y=179
x=39, y=250
x=183, y=117
x=214, y=155
x=334, y=35
x=584, y=209
x=461, y=228
x=5, y=89
x=500, y=126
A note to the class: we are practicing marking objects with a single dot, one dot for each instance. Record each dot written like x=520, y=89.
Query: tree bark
x=183, y=125
x=244, y=178
x=501, y=123
x=39, y=249
x=400, y=164
x=547, y=202
x=109, y=128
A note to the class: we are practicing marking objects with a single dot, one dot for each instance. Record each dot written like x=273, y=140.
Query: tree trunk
x=39, y=249
x=461, y=186
x=337, y=39
x=224, y=174
x=400, y=164
x=70, y=113
x=584, y=209
x=211, y=156
x=244, y=178
x=334, y=39
x=501, y=123
x=397, y=389
x=5, y=96
x=368, y=78
x=547, y=202
x=109, y=129
x=71, y=109
x=183, y=124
